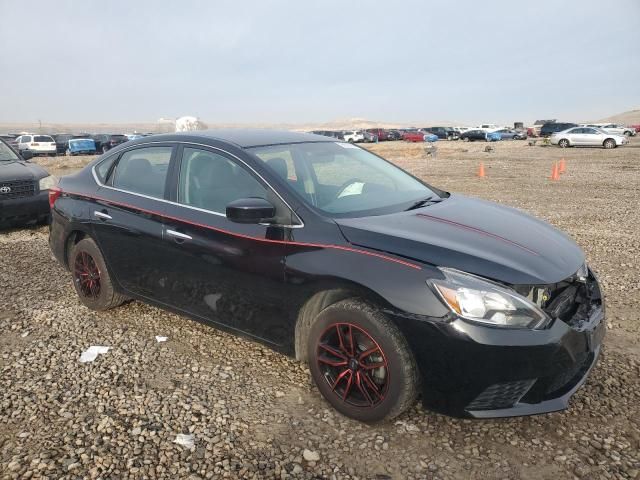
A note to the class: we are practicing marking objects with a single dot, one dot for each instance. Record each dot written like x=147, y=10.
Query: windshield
x=6, y=153
x=343, y=180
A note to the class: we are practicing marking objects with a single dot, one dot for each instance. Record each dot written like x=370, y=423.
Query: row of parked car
x=66, y=143
x=485, y=132
x=564, y=134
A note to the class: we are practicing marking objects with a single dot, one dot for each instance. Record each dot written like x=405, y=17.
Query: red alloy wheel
x=353, y=364
x=87, y=275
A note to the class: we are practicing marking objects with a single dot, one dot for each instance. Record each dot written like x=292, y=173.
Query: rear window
x=118, y=137
x=42, y=138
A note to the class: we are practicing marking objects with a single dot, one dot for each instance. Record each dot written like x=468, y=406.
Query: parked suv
x=105, y=142
x=24, y=188
x=443, y=132
x=37, y=144
x=353, y=136
x=553, y=127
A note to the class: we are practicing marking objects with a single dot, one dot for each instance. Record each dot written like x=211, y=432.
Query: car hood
x=474, y=236
x=19, y=170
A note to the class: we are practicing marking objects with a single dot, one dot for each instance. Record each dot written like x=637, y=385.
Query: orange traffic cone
x=554, y=172
x=481, y=173
x=562, y=167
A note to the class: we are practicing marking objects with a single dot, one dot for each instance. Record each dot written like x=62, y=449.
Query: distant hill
x=632, y=117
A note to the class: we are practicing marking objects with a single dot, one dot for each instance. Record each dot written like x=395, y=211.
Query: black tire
x=465, y=139
x=563, y=143
x=91, y=278
x=355, y=387
x=609, y=143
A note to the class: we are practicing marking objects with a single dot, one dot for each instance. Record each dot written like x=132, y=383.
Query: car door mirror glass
x=250, y=210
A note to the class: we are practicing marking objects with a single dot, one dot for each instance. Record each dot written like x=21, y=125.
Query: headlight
x=47, y=182
x=478, y=300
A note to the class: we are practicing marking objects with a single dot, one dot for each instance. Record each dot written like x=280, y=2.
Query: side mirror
x=26, y=154
x=250, y=210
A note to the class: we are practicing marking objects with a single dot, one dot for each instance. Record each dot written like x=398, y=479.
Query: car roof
x=247, y=137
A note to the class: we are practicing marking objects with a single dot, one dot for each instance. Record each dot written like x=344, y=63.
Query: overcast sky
x=308, y=61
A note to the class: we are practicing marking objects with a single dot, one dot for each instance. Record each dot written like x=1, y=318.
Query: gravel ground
x=254, y=413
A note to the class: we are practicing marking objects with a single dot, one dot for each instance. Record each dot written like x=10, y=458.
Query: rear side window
x=143, y=170
x=102, y=169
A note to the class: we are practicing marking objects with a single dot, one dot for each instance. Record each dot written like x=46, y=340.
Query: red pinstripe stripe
x=249, y=237
x=476, y=230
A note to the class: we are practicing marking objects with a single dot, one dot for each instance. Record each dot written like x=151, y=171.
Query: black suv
x=553, y=127
x=105, y=141
x=24, y=188
x=443, y=132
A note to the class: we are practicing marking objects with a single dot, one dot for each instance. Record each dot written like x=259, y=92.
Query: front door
x=127, y=218
x=231, y=274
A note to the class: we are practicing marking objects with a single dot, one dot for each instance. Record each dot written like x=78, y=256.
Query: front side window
x=143, y=170
x=211, y=181
x=343, y=180
x=6, y=152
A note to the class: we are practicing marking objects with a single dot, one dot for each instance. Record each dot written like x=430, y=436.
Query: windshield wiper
x=423, y=202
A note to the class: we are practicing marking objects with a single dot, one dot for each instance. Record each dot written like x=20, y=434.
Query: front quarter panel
x=397, y=283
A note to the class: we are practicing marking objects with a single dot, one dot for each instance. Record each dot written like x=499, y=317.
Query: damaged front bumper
x=471, y=370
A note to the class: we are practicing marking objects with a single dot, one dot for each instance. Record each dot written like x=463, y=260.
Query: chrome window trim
x=102, y=185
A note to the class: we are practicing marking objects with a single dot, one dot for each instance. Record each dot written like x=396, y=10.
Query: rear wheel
x=361, y=363
x=91, y=278
x=563, y=143
x=609, y=143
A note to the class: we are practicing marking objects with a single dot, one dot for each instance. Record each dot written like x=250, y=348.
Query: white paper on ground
x=91, y=353
x=184, y=440
x=161, y=339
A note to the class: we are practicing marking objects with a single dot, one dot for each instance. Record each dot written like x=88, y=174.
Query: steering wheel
x=347, y=184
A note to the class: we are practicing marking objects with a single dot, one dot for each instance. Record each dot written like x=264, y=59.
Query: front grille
x=501, y=395
x=17, y=189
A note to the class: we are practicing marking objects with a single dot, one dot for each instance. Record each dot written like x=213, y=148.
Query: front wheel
x=564, y=143
x=609, y=143
x=361, y=363
x=91, y=278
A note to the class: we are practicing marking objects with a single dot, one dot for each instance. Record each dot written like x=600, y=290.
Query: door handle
x=178, y=235
x=102, y=216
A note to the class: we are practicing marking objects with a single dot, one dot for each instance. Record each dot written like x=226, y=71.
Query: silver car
x=587, y=136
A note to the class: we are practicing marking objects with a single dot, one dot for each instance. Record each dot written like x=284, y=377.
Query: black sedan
x=24, y=188
x=387, y=287
x=474, y=135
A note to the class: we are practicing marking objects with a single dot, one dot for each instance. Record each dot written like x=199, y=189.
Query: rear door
x=128, y=216
x=229, y=273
